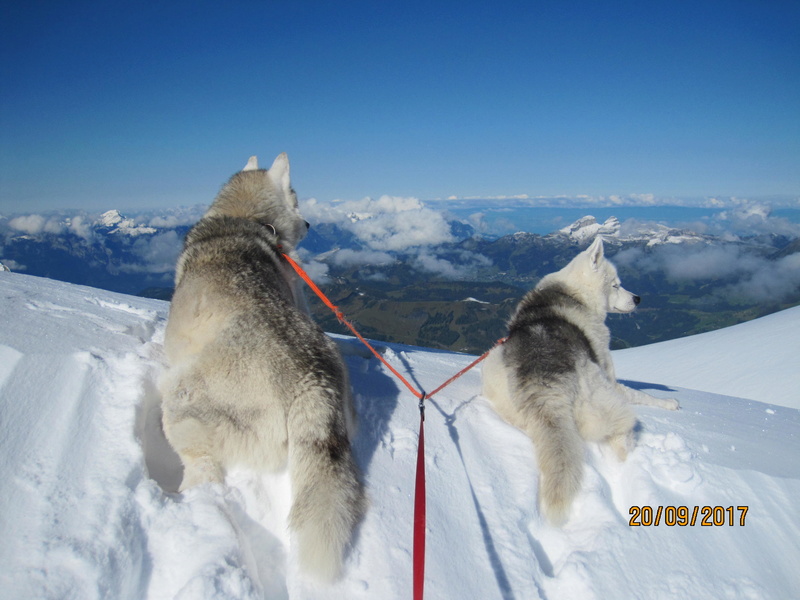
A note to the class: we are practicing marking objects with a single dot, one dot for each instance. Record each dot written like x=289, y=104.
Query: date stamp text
x=683, y=516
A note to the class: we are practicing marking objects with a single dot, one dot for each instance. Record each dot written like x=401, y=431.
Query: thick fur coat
x=554, y=377
x=251, y=379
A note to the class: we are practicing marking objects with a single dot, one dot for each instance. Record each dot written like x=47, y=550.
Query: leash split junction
x=419, y=488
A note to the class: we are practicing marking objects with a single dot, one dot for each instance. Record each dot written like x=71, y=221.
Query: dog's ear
x=595, y=252
x=279, y=173
x=252, y=164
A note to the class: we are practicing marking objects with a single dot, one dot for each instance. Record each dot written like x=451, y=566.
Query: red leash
x=339, y=315
x=419, y=509
x=419, y=487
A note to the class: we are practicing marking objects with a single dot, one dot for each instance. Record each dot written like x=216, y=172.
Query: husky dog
x=554, y=379
x=251, y=380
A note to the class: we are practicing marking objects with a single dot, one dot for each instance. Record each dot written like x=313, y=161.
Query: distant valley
x=455, y=293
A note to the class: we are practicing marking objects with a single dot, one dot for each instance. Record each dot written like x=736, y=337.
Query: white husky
x=554, y=378
x=251, y=379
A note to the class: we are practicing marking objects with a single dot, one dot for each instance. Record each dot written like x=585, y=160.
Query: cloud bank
x=156, y=254
x=390, y=223
x=80, y=225
x=751, y=218
x=611, y=201
x=754, y=277
x=390, y=229
x=129, y=246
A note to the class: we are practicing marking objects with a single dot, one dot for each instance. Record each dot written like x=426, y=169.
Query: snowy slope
x=757, y=360
x=88, y=508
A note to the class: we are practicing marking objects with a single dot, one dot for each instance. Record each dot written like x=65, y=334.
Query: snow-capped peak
x=110, y=218
x=587, y=228
x=114, y=221
x=656, y=233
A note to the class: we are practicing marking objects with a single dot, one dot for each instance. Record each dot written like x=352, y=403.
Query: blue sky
x=117, y=105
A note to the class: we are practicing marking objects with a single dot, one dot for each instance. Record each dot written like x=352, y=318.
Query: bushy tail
x=328, y=497
x=559, y=452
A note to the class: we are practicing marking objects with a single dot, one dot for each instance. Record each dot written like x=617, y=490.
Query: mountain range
x=448, y=287
x=399, y=300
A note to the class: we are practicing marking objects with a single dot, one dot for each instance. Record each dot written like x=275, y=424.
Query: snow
x=88, y=507
x=113, y=220
x=110, y=218
x=755, y=360
x=587, y=228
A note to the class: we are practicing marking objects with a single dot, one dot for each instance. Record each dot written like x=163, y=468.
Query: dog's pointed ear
x=252, y=164
x=279, y=172
x=595, y=252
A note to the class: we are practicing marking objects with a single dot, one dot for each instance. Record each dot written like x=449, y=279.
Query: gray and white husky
x=251, y=380
x=554, y=378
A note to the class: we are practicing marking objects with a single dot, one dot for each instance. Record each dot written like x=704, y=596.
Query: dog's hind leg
x=192, y=440
x=189, y=435
x=604, y=415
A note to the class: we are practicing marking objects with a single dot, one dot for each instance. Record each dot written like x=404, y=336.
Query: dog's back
x=544, y=343
x=544, y=353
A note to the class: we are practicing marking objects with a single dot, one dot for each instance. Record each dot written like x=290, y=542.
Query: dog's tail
x=328, y=497
x=559, y=452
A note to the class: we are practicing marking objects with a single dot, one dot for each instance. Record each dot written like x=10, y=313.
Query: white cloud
x=757, y=278
x=80, y=226
x=13, y=265
x=710, y=262
x=478, y=222
x=317, y=271
x=685, y=262
x=771, y=281
x=463, y=268
x=645, y=199
x=390, y=223
x=439, y=266
x=158, y=253
x=752, y=217
x=394, y=226
x=30, y=224
x=572, y=201
x=55, y=224
x=347, y=257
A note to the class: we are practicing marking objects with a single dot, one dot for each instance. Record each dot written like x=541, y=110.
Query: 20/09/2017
x=682, y=516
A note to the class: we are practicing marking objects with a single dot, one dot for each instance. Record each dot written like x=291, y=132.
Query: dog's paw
x=198, y=471
x=622, y=445
x=648, y=400
x=670, y=404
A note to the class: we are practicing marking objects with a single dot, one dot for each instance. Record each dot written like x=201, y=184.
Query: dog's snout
x=308, y=225
x=636, y=300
